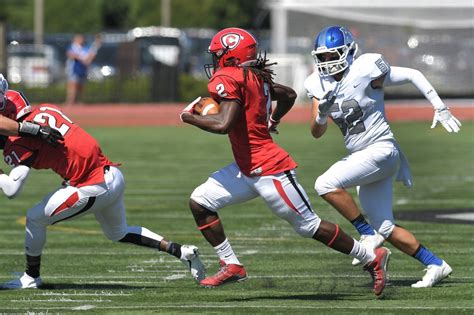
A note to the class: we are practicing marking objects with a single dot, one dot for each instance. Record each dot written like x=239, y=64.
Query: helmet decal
x=231, y=47
x=334, y=50
x=230, y=40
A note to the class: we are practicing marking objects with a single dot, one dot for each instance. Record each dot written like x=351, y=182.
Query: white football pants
x=281, y=192
x=372, y=170
x=104, y=200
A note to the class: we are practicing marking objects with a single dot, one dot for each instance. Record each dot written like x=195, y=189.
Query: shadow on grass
x=302, y=297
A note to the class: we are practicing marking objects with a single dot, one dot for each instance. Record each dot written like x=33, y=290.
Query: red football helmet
x=231, y=47
x=15, y=105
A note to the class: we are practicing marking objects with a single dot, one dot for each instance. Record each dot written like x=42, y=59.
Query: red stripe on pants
x=283, y=195
x=66, y=204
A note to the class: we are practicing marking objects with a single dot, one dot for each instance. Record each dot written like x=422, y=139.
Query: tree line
x=91, y=16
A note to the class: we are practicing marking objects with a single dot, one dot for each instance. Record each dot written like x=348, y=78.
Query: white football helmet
x=334, y=50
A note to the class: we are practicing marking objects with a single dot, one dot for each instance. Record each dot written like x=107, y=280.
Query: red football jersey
x=79, y=159
x=252, y=145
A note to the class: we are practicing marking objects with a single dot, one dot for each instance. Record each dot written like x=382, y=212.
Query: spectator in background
x=79, y=57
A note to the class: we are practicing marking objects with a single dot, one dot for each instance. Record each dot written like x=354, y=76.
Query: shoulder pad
x=313, y=85
x=372, y=65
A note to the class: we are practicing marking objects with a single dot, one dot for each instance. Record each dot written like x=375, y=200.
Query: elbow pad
x=12, y=184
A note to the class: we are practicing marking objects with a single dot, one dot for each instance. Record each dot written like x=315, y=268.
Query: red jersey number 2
x=55, y=119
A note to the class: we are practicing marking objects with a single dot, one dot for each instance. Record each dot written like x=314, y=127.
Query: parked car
x=33, y=65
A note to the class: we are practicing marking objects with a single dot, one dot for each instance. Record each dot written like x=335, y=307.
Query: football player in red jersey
x=93, y=184
x=242, y=84
x=10, y=127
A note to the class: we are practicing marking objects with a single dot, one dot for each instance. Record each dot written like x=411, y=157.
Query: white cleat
x=434, y=274
x=190, y=258
x=369, y=241
x=23, y=282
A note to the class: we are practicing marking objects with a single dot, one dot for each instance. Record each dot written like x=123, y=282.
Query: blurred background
x=153, y=51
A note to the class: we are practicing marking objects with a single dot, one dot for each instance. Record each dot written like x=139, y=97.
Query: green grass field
x=86, y=273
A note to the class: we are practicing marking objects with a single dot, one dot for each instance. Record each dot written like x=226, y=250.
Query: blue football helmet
x=334, y=50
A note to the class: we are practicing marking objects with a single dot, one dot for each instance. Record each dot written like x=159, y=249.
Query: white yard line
x=269, y=307
x=307, y=276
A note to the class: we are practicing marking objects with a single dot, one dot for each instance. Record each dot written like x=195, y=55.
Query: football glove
x=190, y=108
x=45, y=133
x=272, y=125
x=326, y=102
x=446, y=119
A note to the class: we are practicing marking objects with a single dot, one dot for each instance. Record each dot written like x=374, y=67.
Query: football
x=206, y=106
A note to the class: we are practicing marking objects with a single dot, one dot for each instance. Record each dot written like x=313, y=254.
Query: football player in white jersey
x=350, y=92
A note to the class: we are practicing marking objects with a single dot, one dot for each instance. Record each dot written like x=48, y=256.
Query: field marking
x=309, y=276
x=457, y=216
x=101, y=293
x=62, y=300
x=238, y=306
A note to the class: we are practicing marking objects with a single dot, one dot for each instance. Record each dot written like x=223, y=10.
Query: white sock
x=226, y=253
x=364, y=254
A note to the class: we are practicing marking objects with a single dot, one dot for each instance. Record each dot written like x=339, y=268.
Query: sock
x=33, y=264
x=174, y=249
x=226, y=253
x=362, y=226
x=362, y=253
x=141, y=236
x=426, y=257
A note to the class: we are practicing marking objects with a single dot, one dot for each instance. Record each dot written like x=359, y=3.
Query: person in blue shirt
x=79, y=57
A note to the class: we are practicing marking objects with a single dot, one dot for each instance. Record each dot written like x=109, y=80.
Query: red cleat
x=378, y=269
x=226, y=274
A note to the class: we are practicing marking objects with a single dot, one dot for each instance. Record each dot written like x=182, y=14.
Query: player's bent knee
x=308, y=229
x=199, y=197
x=385, y=228
x=115, y=235
x=323, y=185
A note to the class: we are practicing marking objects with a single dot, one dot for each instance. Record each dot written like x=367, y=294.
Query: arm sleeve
x=12, y=184
x=400, y=75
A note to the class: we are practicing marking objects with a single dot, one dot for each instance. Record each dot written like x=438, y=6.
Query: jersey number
x=220, y=89
x=43, y=118
x=12, y=159
x=350, y=120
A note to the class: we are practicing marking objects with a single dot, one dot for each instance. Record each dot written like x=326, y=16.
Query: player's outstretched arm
x=8, y=127
x=400, y=75
x=13, y=183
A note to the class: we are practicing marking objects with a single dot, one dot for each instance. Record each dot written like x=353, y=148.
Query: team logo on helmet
x=230, y=40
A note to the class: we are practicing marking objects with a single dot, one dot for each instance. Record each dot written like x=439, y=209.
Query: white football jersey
x=358, y=109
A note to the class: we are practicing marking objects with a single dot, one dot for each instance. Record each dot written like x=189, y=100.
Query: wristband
x=321, y=120
x=28, y=129
x=438, y=103
x=273, y=121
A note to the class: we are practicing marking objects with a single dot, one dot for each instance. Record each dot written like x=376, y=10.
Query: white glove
x=326, y=102
x=447, y=120
x=272, y=125
x=190, y=108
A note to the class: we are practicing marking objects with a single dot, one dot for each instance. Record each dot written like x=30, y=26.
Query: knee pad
x=199, y=196
x=115, y=234
x=308, y=229
x=385, y=228
x=324, y=185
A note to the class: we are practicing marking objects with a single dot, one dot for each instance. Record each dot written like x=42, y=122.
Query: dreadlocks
x=260, y=69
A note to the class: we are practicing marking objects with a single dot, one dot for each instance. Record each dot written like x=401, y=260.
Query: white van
x=33, y=65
